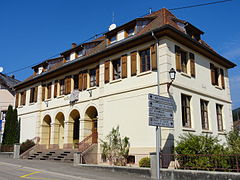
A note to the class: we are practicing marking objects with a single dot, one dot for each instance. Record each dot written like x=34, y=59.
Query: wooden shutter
x=212, y=74
x=49, y=92
x=106, y=71
x=154, y=56
x=35, y=94
x=124, y=66
x=55, y=89
x=222, y=78
x=84, y=80
x=178, y=58
x=65, y=85
x=97, y=76
x=80, y=81
x=16, y=100
x=192, y=64
x=125, y=34
x=43, y=93
x=133, y=63
x=69, y=79
x=24, y=98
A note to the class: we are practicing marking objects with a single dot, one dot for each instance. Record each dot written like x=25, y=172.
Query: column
x=68, y=135
x=54, y=141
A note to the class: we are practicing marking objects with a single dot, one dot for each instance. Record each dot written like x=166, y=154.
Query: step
x=60, y=157
x=63, y=154
x=39, y=152
x=43, y=159
x=57, y=159
x=45, y=156
x=49, y=154
x=66, y=152
x=36, y=154
x=30, y=158
x=52, y=152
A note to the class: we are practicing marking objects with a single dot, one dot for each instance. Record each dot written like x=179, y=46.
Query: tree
x=11, y=130
x=233, y=141
x=115, y=149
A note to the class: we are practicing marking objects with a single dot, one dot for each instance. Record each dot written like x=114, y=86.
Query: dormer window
x=40, y=70
x=67, y=58
x=130, y=32
x=113, y=39
x=80, y=53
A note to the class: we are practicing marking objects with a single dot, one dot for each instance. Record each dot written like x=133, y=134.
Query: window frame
x=219, y=114
x=147, y=61
x=186, y=111
x=116, y=65
x=93, y=82
x=61, y=87
x=204, y=114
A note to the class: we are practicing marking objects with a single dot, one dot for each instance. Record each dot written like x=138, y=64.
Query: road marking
x=49, y=172
x=32, y=173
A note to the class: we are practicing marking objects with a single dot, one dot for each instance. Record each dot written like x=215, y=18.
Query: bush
x=144, y=162
x=26, y=145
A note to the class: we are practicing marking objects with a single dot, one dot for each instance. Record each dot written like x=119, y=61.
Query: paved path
x=16, y=169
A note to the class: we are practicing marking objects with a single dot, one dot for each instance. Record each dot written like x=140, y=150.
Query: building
x=7, y=94
x=81, y=95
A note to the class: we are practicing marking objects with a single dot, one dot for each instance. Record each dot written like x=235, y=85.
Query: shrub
x=26, y=145
x=144, y=162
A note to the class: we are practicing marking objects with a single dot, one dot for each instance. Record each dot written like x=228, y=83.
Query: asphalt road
x=15, y=169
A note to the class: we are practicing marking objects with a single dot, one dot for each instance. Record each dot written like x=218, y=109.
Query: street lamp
x=172, y=74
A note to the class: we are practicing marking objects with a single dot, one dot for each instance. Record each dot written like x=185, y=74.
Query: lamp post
x=172, y=74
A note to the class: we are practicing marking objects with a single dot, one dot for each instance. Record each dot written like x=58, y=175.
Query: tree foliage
x=145, y=162
x=233, y=141
x=11, y=133
x=115, y=149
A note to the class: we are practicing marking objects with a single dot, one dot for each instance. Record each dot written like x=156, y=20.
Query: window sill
x=186, y=75
x=207, y=131
x=218, y=87
x=222, y=133
x=144, y=73
x=115, y=81
x=32, y=103
x=21, y=106
x=92, y=88
x=188, y=129
x=60, y=96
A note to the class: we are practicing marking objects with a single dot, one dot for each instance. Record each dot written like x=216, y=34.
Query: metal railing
x=87, y=142
x=218, y=162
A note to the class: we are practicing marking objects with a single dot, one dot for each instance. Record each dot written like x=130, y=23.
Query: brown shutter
x=35, y=94
x=133, y=63
x=154, y=56
x=80, y=81
x=49, y=91
x=16, y=100
x=178, y=60
x=55, y=89
x=24, y=97
x=65, y=85
x=85, y=81
x=43, y=93
x=212, y=74
x=192, y=64
x=97, y=76
x=124, y=66
x=125, y=34
x=69, y=84
x=222, y=78
x=106, y=71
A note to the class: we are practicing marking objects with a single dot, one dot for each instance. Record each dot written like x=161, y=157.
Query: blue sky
x=33, y=30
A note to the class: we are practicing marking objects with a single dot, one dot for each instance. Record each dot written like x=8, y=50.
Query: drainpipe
x=158, y=129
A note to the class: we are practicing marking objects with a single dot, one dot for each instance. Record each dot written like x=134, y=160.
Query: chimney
x=74, y=45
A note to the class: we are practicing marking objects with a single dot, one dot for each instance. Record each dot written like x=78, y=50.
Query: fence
x=220, y=162
x=7, y=148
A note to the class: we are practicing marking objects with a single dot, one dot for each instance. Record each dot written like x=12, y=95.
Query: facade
x=7, y=94
x=77, y=98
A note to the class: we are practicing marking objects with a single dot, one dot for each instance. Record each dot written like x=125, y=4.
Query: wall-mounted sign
x=74, y=96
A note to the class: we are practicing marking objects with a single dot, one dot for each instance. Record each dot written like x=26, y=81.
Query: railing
x=7, y=148
x=219, y=162
x=36, y=140
x=87, y=142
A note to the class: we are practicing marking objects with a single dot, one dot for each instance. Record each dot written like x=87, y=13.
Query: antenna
x=113, y=18
x=113, y=25
x=1, y=69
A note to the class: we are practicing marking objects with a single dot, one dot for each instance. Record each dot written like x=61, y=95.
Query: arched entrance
x=46, y=131
x=75, y=117
x=91, y=123
x=59, y=122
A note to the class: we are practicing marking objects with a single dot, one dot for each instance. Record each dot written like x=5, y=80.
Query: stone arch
x=46, y=131
x=59, y=129
x=74, y=126
x=91, y=122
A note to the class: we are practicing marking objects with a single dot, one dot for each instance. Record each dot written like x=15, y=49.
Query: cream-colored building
x=7, y=94
x=92, y=87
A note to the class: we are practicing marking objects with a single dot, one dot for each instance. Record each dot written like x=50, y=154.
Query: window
x=49, y=90
x=75, y=81
x=68, y=58
x=217, y=76
x=144, y=60
x=116, y=69
x=113, y=39
x=92, y=77
x=184, y=61
x=62, y=87
x=3, y=115
x=33, y=94
x=186, y=112
x=130, y=32
x=23, y=98
x=219, y=117
x=80, y=53
x=204, y=114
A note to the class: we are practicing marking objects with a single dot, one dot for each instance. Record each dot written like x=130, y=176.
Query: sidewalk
x=69, y=169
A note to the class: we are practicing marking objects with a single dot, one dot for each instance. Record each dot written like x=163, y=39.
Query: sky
x=34, y=30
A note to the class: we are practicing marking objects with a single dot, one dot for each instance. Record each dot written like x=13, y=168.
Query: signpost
x=160, y=114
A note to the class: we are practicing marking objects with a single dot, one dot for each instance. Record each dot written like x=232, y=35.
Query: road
x=19, y=169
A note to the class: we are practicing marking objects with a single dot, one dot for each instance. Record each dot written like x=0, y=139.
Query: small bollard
x=76, y=158
x=153, y=163
x=16, y=153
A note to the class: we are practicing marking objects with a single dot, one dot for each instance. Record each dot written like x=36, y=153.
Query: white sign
x=160, y=111
x=74, y=96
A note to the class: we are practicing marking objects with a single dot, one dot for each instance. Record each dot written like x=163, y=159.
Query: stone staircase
x=54, y=155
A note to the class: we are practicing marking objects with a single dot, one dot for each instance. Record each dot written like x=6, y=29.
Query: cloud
x=233, y=53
